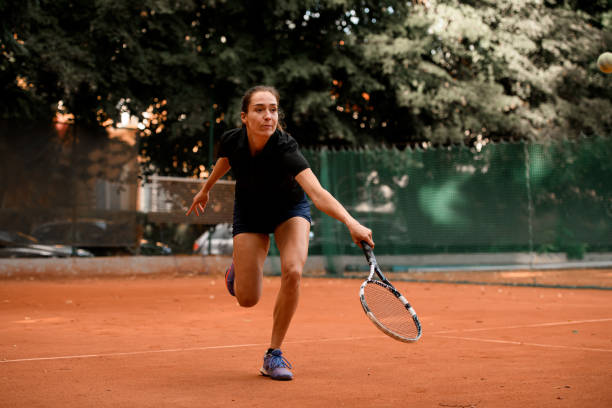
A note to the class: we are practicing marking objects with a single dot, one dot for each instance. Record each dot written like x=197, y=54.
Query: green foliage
x=350, y=72
x=521, y=69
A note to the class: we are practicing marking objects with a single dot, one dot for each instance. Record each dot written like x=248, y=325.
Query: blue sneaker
x=276, y=366
x=229, y=279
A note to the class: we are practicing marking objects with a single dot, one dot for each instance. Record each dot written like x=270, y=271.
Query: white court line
x=176, y=350
x=525, y=326
x=436, y=334
x=523, y=343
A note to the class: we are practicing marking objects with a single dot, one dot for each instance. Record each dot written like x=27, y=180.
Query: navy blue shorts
x=266, y=224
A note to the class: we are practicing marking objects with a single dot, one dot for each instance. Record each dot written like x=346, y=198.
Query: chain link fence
x=554, y=197
x=63, y=186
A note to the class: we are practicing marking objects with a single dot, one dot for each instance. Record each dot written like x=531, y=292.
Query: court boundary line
x=522, y=343
x=463, y=281
x=569, y=322
x=510, y=284
x=440, y=334
x=177, y=350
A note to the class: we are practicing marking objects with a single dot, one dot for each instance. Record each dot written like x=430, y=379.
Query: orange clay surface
x=184, y=342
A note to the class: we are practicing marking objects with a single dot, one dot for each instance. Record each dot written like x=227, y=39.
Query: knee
x=248, y=297
x=291, y=276
x=247, y=301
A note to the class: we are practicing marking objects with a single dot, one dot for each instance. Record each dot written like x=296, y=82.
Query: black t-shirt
x=265, y=183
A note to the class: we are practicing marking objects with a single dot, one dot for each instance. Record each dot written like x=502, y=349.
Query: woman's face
x=262, y=117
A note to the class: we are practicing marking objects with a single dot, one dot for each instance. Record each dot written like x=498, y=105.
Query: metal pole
x=73, y=225
x=211, y=137
x=326, y=222
x=211, y=140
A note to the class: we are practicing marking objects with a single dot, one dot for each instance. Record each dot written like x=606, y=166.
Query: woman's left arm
x=324, y=201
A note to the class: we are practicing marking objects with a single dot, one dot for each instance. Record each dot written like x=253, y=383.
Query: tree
x=350, y=72
x=179, y=64
x=483, y=70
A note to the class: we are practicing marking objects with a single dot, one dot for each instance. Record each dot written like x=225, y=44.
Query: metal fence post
x=326, y=225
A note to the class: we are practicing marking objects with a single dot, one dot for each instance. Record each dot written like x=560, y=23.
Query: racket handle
x=367, y=250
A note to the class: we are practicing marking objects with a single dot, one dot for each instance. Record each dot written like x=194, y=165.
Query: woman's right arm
x=324, y=201
x=199, y=201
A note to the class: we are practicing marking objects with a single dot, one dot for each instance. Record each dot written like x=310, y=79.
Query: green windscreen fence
x=64, y=185
x=554, y=197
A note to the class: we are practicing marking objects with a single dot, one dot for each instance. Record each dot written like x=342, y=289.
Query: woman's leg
x=292, y=241
x=250, y=251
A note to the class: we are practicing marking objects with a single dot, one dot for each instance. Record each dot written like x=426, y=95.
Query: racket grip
x=367, y=250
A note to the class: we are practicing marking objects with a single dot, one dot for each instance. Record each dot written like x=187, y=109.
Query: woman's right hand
x=360, y=233
x=199, y=202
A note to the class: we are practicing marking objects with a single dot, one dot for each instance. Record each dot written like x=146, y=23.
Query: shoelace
x=279, y=362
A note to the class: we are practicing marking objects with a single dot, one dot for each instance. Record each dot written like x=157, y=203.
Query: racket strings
x=390, y=311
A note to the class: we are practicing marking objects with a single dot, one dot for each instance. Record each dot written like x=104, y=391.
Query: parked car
x=100, y=237
x=14, y=244
x=89, y=231
x=221, y=241
x=216, y=241
x=148, y=247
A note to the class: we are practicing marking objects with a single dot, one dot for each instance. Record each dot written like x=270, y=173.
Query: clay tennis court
x=183, y=342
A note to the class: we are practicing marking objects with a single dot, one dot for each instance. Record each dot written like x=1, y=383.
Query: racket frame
x=383, y=282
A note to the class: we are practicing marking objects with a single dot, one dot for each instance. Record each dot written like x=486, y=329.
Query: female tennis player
x=271, y=178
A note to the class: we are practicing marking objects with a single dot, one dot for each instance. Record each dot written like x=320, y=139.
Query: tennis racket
x=385, y=306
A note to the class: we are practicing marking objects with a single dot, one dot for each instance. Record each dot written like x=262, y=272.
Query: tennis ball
x=604, y=62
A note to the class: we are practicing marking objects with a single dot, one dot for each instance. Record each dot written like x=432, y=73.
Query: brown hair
x=246, y=100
